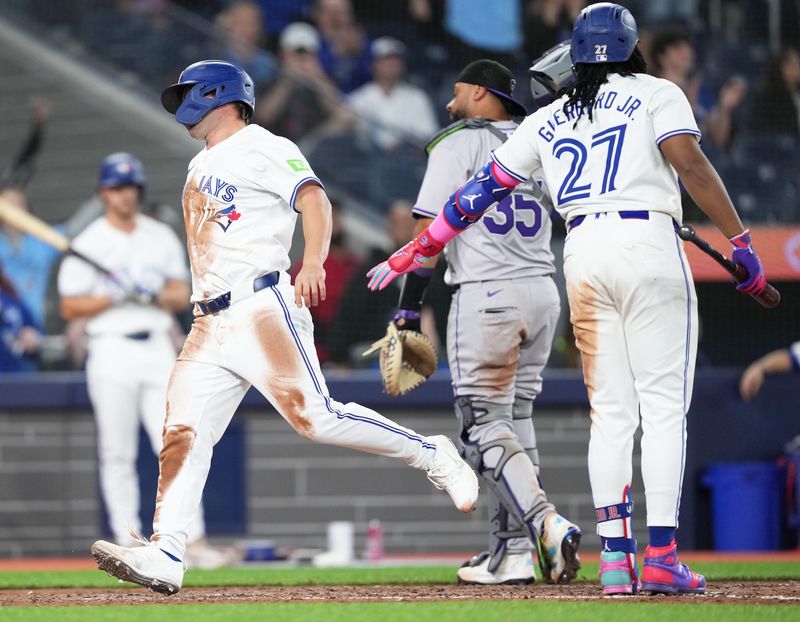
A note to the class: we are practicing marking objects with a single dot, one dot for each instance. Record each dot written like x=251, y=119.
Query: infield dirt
x=730, y=592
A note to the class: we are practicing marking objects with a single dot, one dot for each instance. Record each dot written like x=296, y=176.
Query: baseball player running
x=130, y=351
x=500, y=329
x=252, y=326
x=610, y=147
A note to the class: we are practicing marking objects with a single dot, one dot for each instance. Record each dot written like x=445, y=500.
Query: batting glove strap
x=742, y=240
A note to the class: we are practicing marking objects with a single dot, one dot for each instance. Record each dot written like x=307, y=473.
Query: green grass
x=357, y=576
x=486, y=611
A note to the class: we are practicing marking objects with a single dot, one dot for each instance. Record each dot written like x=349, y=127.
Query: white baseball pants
x=267, y=342
x=633, y=310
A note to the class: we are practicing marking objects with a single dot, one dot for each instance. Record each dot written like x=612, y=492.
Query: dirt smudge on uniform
x=498, y=370
x=198, y=213
x=283, y=360
x=177, y=443
x=584, y=327
x=500, y=374
x=197, y=337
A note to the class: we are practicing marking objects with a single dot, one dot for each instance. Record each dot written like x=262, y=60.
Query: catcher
x=500, y=328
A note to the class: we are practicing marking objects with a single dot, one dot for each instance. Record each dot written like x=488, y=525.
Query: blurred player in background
x=500, y=329
x=252, y=325
x=610, y=147
x=775, y=362
x=131, y=354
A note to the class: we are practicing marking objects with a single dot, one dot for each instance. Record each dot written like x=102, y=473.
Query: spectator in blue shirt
x=20, y=339
x=344, y=49
x=27, y=261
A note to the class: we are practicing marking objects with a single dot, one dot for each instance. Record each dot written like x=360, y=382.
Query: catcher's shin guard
x=531, y=518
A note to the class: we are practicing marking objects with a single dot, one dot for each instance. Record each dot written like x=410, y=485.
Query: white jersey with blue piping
x=513, y=239
x=238, y=206
x=613, y=163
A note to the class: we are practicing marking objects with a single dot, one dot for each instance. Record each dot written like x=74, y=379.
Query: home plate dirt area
x=728, y=592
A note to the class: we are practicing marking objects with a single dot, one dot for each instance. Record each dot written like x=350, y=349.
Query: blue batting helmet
x=121, y=169
x=226, y=82
x=604, y=33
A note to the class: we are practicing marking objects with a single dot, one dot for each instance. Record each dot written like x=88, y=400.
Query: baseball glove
x=407, y=359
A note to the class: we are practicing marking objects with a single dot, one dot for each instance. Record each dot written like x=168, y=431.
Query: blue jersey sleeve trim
x=664, y=137
x=507, y=170
x=300, y=184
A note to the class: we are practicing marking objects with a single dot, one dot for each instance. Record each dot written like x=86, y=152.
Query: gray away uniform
x=500, y=328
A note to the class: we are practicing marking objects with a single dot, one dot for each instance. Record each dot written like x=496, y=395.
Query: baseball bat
x=769, y=297
x=28, y=223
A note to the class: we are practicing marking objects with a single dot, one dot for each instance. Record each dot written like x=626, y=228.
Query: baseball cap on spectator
x=496, y=79
x=300, y=37
x=387, y=46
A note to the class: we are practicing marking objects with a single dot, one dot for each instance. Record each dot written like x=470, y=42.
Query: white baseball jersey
x=145, y=258
x=238, y=205
x=513, y=240
x=608, y=165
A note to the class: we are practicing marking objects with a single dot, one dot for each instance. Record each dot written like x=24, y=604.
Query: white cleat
x=450, y=473
x=146, y=565
x=514, y=569
x=558, y=549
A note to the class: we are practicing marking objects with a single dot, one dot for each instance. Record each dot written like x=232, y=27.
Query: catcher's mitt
x=407, y=359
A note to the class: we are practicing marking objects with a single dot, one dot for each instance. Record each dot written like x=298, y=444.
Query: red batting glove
x=407, y=259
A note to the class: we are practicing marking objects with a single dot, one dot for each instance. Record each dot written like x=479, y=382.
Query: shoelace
x=133, y=534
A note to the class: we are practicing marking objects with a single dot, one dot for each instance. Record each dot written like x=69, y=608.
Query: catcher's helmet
x=550, y=73
x=604, y=33
x=121, y=169
x=225, y=81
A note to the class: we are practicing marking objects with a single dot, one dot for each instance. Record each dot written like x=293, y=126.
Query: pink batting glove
x=407, y=259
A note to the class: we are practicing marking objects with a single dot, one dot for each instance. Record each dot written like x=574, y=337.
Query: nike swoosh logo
x=490, y=294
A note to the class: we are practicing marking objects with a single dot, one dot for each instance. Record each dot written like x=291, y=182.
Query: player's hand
x=751, y=381
x=409, y=258
x=309, y=285
x=744, y=255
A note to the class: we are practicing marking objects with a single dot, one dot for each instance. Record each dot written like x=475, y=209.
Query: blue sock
x=661, y=536
x=626, y=545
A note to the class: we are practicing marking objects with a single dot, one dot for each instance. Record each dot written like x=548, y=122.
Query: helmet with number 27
x=604, y=33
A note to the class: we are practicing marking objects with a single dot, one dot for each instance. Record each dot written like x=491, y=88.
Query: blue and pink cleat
x=618, y=573
x=662, y=573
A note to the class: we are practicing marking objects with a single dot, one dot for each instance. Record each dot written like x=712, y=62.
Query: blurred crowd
x=361, y=85
x=351, y=80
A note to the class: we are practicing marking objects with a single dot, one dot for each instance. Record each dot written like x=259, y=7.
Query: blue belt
x=637, y=214
x=223, y=301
